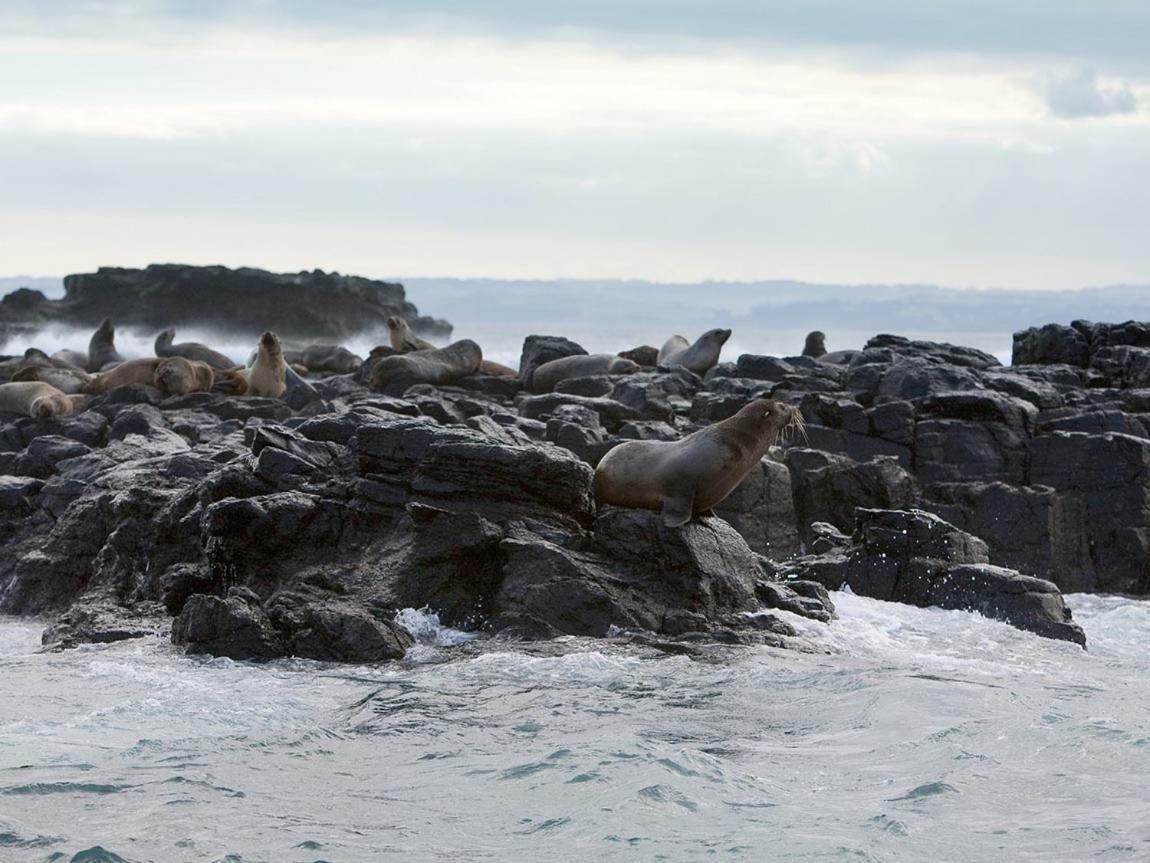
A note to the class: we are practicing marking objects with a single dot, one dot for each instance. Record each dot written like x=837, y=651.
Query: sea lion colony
x=291, y=504
x=40, y=386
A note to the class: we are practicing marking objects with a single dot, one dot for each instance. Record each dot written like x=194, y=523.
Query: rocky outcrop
x=917, y=558
x=304, y=306
x=926, y=473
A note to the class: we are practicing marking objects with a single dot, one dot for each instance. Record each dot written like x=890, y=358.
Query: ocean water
x=909, y=734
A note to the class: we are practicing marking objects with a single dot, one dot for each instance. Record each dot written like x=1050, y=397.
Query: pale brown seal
x=403, y=339
x=546, y=376
x=693, y=474
x=394, y=374
x=816, y=345
x=176, y=376
x=172, y=376
x=129, y=373
x=34, y=399
x=102, y=347
x=191, y=351
x=700, y=357
x=267, y=376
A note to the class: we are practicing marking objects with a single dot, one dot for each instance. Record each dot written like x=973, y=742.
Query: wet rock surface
x=254, y=528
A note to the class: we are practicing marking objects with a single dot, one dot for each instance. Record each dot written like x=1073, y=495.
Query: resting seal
x=700, y=357
x=689, y=476
x=38, y=366
x=172, y=376
x=394, y=374
x=333, y=359
x=546, y=376
x=102, y=347
x=191, y=351
x=267, y=376
x=34, y=399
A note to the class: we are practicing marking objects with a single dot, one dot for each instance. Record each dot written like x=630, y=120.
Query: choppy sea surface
x=919, y=734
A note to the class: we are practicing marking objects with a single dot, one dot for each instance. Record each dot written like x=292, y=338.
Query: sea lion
x=700, y=357
x=191, y=351
x=403, y=339
x=394, y=374
x=34, y=399
x=102, y=347
x=72, y=358
x=267, y=376
x=689, y=476
x=129, y=373
x=816, y=345
x=546, y=376
x=332, y=359
x=177, y=376
x=68, y=380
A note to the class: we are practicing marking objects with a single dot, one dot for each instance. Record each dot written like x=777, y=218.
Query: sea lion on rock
x=67, y=380
x=332, y=359
x=34, y=399
x=816, y=345
x=267, y=376
x=403, y=339
x=72, y=358
x=699, y=357
x=392, y=375
x=689, y=476
x=102, y=347
x=38, y=366
x=172, y=376
x=129, y=373
x=176, y=376
x=191, y=351
x=546, y=376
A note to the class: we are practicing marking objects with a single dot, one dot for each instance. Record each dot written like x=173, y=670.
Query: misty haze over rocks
x=767, y=316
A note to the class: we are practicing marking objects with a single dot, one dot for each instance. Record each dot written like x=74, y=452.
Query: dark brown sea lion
x=689, y=476
x=816, y=345
x=102, y=347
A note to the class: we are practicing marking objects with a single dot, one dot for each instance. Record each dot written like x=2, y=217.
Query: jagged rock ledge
x=247, y=301
x=929, y=474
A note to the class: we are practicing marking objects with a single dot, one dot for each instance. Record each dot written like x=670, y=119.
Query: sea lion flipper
x=677, y=510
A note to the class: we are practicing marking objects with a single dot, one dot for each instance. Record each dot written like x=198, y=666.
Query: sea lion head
x=175, y=376
x=816, y=344
x=717, y=336
x=105, y=329
x=35, y=355
x=769, y=417
x=50, y=405
x=396, y=324
x=270, y=343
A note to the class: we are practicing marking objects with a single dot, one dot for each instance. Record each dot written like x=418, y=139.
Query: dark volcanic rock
x=236, y=626
x=245, y=300
x=917, y=558
x=632, y=573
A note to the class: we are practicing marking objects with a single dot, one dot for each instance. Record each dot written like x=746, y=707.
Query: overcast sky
x=959, y=142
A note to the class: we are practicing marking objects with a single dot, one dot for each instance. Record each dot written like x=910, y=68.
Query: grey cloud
x=1081, y=94
x=1114, y=31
